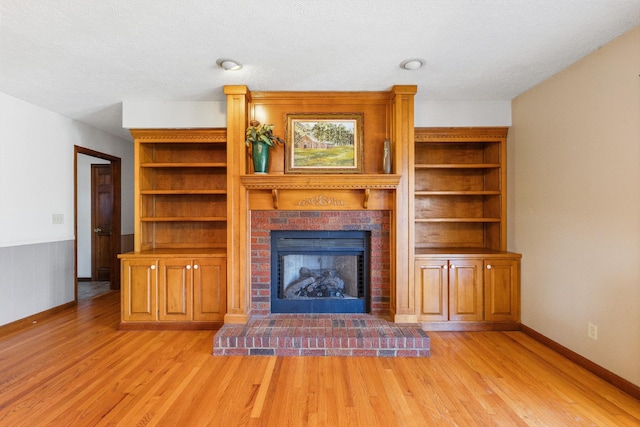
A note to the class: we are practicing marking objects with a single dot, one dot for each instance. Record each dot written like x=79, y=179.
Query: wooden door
x=209, y=289
x=433, y=286
x=139, y=279
x=175, y=284
x=465, y=290
x=501, y=284
x=101, y=215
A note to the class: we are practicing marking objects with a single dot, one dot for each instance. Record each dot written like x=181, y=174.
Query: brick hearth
x=321, y=335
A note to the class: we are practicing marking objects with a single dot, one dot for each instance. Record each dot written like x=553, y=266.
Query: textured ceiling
x=83, y=58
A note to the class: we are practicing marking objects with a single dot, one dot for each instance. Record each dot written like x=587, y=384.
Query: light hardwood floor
x=76, y=369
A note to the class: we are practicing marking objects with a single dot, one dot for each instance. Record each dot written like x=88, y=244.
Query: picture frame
x=324, y=143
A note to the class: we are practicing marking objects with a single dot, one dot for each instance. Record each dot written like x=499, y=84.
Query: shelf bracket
x=365, y=203
x=274, y=195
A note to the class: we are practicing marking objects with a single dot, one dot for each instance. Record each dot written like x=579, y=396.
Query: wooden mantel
x=321, y=192
x=320, y=182
x=387, y=115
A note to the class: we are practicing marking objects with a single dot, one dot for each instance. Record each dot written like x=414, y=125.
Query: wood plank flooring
x=77, y=369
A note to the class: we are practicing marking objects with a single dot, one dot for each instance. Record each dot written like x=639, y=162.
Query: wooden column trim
x=403, y=307
x=238, y=276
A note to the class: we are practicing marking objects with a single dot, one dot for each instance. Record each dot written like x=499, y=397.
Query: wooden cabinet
x=464, y=278
x=502, y=289
x=465, y=289
x=473, y=291
x=451, y=289
x=180, y=191
x=192, y=289
x=173, y=288
x=209, y=289
x=139, y=290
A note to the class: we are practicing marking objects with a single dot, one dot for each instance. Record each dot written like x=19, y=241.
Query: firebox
x=320, y=271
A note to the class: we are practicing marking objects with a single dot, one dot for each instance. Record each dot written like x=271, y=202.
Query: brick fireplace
x=377, y=223
x=301, y=334
x=371, y=200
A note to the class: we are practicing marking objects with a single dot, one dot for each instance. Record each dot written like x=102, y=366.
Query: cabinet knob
x=153, y=267
x=195, y=266
x=453, y=266
x=488, y=266
x=188, y=267
x=444, y=267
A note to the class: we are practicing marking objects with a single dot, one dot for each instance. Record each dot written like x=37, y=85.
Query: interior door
x=101, y=212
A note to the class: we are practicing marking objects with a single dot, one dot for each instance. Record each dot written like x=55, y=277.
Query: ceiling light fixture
x=229, y=64
x=411, y=64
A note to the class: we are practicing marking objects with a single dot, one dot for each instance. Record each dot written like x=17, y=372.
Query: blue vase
x=260, y=155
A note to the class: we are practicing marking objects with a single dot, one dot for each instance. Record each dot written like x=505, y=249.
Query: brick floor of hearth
x=321, y=335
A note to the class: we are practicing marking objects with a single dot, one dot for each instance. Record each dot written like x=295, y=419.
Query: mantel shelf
x=321, y=181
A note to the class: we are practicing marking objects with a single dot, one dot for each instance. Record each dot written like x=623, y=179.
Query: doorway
x=97, y=222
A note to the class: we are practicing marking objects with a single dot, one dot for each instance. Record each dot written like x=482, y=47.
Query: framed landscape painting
x=324, y=143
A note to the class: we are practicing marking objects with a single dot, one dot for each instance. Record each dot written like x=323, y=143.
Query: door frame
x=116, y=167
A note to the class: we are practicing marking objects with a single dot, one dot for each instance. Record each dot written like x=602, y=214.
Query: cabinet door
x=175, y=289
x=502, y=283
x=432, y=280
x=139, y=290
x=465, y=289
x=209, y=289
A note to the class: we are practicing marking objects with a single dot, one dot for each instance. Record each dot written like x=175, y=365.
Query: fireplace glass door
x=320, y=271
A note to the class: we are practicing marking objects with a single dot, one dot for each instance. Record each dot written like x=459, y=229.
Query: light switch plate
x=57, y=218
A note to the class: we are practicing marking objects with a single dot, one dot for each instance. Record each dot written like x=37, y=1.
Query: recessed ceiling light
x=229, y=64
x=411, y=64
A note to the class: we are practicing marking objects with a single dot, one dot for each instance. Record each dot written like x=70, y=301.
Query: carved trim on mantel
x=320, y=200
x=321, y=181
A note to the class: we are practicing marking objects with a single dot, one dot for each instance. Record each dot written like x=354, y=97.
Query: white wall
x=35, y=160
x=173, y=114
x=36, y=172
x=574, y=205
x=164, y=114
x=36, y=181
x=462, y=113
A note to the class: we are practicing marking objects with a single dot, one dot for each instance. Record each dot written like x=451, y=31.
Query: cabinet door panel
x=174, y=289
x=139, y=290
x=431, y=277
x=501, y=289
x=209, y=287
x=465, y=290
